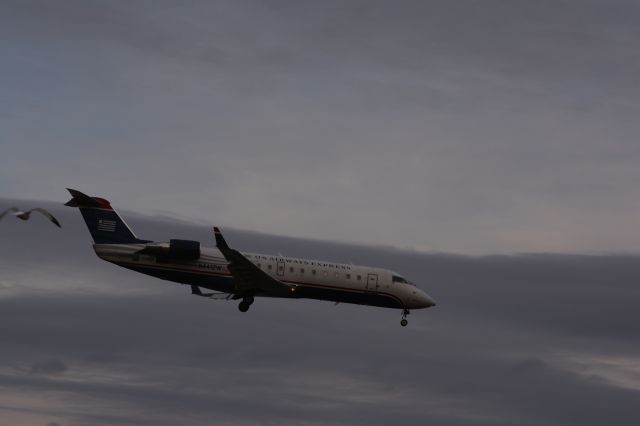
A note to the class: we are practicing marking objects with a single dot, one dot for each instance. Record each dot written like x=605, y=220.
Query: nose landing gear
x=247, y=301
x=404, y=321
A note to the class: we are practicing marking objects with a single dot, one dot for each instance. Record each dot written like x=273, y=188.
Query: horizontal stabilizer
x=83, y=200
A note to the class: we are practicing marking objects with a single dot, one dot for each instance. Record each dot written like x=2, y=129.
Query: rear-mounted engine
x=184, y=250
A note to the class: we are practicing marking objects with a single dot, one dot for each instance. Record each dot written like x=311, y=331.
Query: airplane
x=235, y=275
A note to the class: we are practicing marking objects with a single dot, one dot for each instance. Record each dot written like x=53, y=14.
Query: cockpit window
x=399, y=279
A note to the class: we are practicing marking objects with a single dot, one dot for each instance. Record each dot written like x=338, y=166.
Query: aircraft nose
x=426, y=301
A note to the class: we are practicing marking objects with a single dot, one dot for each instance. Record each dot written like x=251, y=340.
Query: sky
x=486, y=150
x=470, y=127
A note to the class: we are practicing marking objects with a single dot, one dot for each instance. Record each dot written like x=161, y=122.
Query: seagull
x=25, y=215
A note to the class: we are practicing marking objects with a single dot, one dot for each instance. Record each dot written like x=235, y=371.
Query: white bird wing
x=15, y=210
x=47, y=215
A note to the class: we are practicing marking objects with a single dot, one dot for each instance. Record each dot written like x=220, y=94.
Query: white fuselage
x=312, y=279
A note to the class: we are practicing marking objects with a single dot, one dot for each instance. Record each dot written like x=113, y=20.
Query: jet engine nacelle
x=178, y=250
x=184, y=250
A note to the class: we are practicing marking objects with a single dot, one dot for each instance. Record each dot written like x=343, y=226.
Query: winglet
x=220, y=241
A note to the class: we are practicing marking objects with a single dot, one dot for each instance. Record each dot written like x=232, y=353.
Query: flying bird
x=25, y=215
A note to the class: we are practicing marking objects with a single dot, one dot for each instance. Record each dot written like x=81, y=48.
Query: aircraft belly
x=213, y=282
x=346, y=296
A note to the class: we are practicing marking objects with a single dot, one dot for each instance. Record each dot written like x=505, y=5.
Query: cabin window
x=259, y=265
x=359, y=277
x=302, y=270
x=291, y=269
x=313, y=272
x=348, y=276
x=269, y=267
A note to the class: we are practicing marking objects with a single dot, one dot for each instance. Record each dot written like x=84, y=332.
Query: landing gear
x=404, y=321
x=247, y=301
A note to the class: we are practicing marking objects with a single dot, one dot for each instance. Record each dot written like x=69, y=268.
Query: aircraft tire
x=243, y=306
x=404, y=322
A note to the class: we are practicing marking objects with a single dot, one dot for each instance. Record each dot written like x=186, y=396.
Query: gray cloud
x=520, y=339
x=50, y=366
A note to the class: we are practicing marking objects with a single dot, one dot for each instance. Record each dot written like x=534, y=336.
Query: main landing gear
x=404, y=321
x=247, y=301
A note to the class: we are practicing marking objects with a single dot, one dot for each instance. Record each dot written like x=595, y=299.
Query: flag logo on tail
x=106, y=225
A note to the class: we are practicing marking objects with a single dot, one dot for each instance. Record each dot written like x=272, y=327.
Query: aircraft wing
x=249, y=278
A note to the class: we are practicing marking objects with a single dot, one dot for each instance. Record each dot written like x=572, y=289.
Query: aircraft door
x=372, y=282
x=280, y=268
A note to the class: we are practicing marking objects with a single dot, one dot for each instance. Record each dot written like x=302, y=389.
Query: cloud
x=523, y=339
x=50, y=366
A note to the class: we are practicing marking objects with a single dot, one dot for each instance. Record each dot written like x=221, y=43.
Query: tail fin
x=105, y=225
